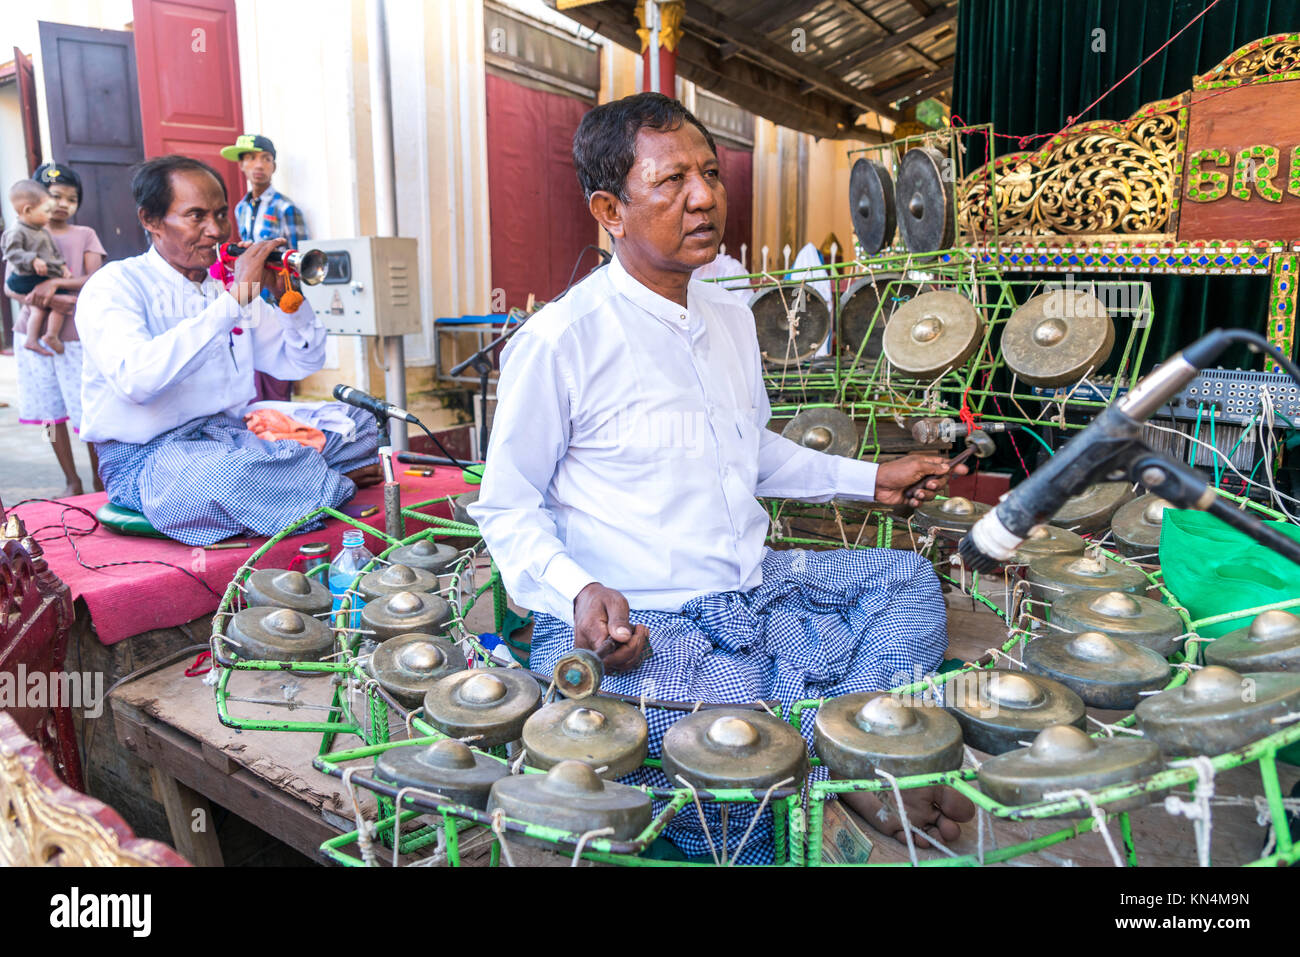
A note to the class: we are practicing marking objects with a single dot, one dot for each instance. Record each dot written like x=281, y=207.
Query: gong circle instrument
x=857, y=733
x=1053, y=576
x=1091, y=510
x=733, y=748
x=1063, y=758
x=823, y=430
x=1217, y=710
x=1058, y=337
x=287, y=589
x=1270, y=643
x=492, y=703
x=924, y=200
x=1048, y=540
x=395, y=578
x=571, y=797
x=409, y=665
x=1105, y=672
x=391, y=615
x=997, y=709
x=279, y=634
x=934, y=333
x=460, y=507
x=792, y=322
x=859, y=305
x=608, y=735
x=1136, y=525
x=427, y=555
x=448, y=768
x=1121, y=615
x=871, y=205
x=952, y=517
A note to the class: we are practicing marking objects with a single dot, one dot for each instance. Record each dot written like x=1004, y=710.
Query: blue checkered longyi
x=821, y=624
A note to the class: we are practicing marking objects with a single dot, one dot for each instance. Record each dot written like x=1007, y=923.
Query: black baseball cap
x=249, y=143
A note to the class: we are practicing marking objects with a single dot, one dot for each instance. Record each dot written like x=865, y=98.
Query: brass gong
x=872, y=297
x=997, y=709
x=823, y=430
x=403, y=611
x=857, y=733
x=934, y=333
x=447, y=767
x=279, y=634
x=395, y=578
x=1048, y=540
x=1091, y=509
x=570, y=797
x=460, y=507
x=1270, y=643
x=409, y=665
x=924, y=199
x=871, y=205
x=1063, y=758
x=1105, y=672
x=1218, y=709
x=1137, y=525
x=599, y=732
x=733, y=748
x=287, y=589
x=951, y=517
x=426, y=554
x=792, y=322
x=492, y=702
x=1057, y=337
x=1121, y=615
x=1053, y=576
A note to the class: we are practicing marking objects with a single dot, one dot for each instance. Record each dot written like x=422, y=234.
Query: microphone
x=376, y=407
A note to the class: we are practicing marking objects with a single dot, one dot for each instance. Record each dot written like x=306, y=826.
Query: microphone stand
x=482, y=364
x=394, y=525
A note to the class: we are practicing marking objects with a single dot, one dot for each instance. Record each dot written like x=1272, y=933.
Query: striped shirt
x=271, y=216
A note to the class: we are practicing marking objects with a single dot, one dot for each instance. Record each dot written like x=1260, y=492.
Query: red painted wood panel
x=737, y=168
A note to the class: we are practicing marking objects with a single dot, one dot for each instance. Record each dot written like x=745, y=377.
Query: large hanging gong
x=570, y=797
x=792, y=322
x=872, y=297
x=1137, y=525
x=395, y=578
x=491, y=702
x=279, y=634
x=1063, y=758
x=426, y=554
x=396, y=614
x=952, y=517
x=1091, y=509
x=1121, y=615
x=824, y=430
x=871, y=205
x=1053, y=576
x=600, y=732
x=409, y=665
x=287, y=589
x=1270, y=643
x=998, y=709
x=447, y=767
x=733, y=748
x=1218, y=709
x=1048, y=540
x=932, y=334
x=1058, y=337
x=924, y=199
x=1105, y=672
x=857, y=733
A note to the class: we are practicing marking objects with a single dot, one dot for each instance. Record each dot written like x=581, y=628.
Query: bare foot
x=35, y=346
x=937, y=811
x=367, y=475
x=73, y=488
x=53, y=343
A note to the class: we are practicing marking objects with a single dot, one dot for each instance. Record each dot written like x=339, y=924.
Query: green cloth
x=125, y=522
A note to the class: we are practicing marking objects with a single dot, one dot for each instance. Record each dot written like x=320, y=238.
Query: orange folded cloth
x=275, y=426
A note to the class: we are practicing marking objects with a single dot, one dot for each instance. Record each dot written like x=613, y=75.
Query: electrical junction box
x=371, y=287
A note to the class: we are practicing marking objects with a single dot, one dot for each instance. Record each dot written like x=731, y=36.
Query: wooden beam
x=851, y=8
x=921, y=7
x=919, y=85
x=898, y=84
x=852, y=59
x=777, y=13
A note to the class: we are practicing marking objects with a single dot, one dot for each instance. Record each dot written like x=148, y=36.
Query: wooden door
x=26, y=77
x=94, y=117
x=188, y=52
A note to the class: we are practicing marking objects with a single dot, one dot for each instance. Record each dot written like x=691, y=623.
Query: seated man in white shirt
x=628, y=451
x=170, y=358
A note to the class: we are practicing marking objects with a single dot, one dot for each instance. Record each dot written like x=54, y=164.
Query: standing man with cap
x=264, y=213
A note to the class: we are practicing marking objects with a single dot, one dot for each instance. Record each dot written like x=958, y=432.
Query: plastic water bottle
x=343, y=569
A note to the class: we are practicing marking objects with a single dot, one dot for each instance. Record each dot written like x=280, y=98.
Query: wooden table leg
x=190, y=818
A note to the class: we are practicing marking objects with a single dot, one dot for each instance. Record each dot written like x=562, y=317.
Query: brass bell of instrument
x=1105, y=672
x=1048, y=540
x=1121, y=615
x=1053, y=576
x=1091, y=510
x=932, y=334
x=823, y=430
x=460, y=507
x=391, y=615
x=1063, y=758
x=733, y=748
x=857, y=733
x=1137, y=525
x=426, y=554
x=599, y=732
x=997, y=709
x=1056, y=338
x=409, y=665
x=952, y=517
x=287, y=589
x=493, y=703
x=395, y=578
x=571, y=797
x=279, y=634
x=448, y=768
x=1217, y=710
x=1269, y=643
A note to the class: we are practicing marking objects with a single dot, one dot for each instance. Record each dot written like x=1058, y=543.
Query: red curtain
x=737, y=168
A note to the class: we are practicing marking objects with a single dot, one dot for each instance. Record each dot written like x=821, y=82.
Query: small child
x=33, y=257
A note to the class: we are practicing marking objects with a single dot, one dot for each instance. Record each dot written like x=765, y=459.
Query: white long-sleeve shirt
x=629, y=447
x=158, y=349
